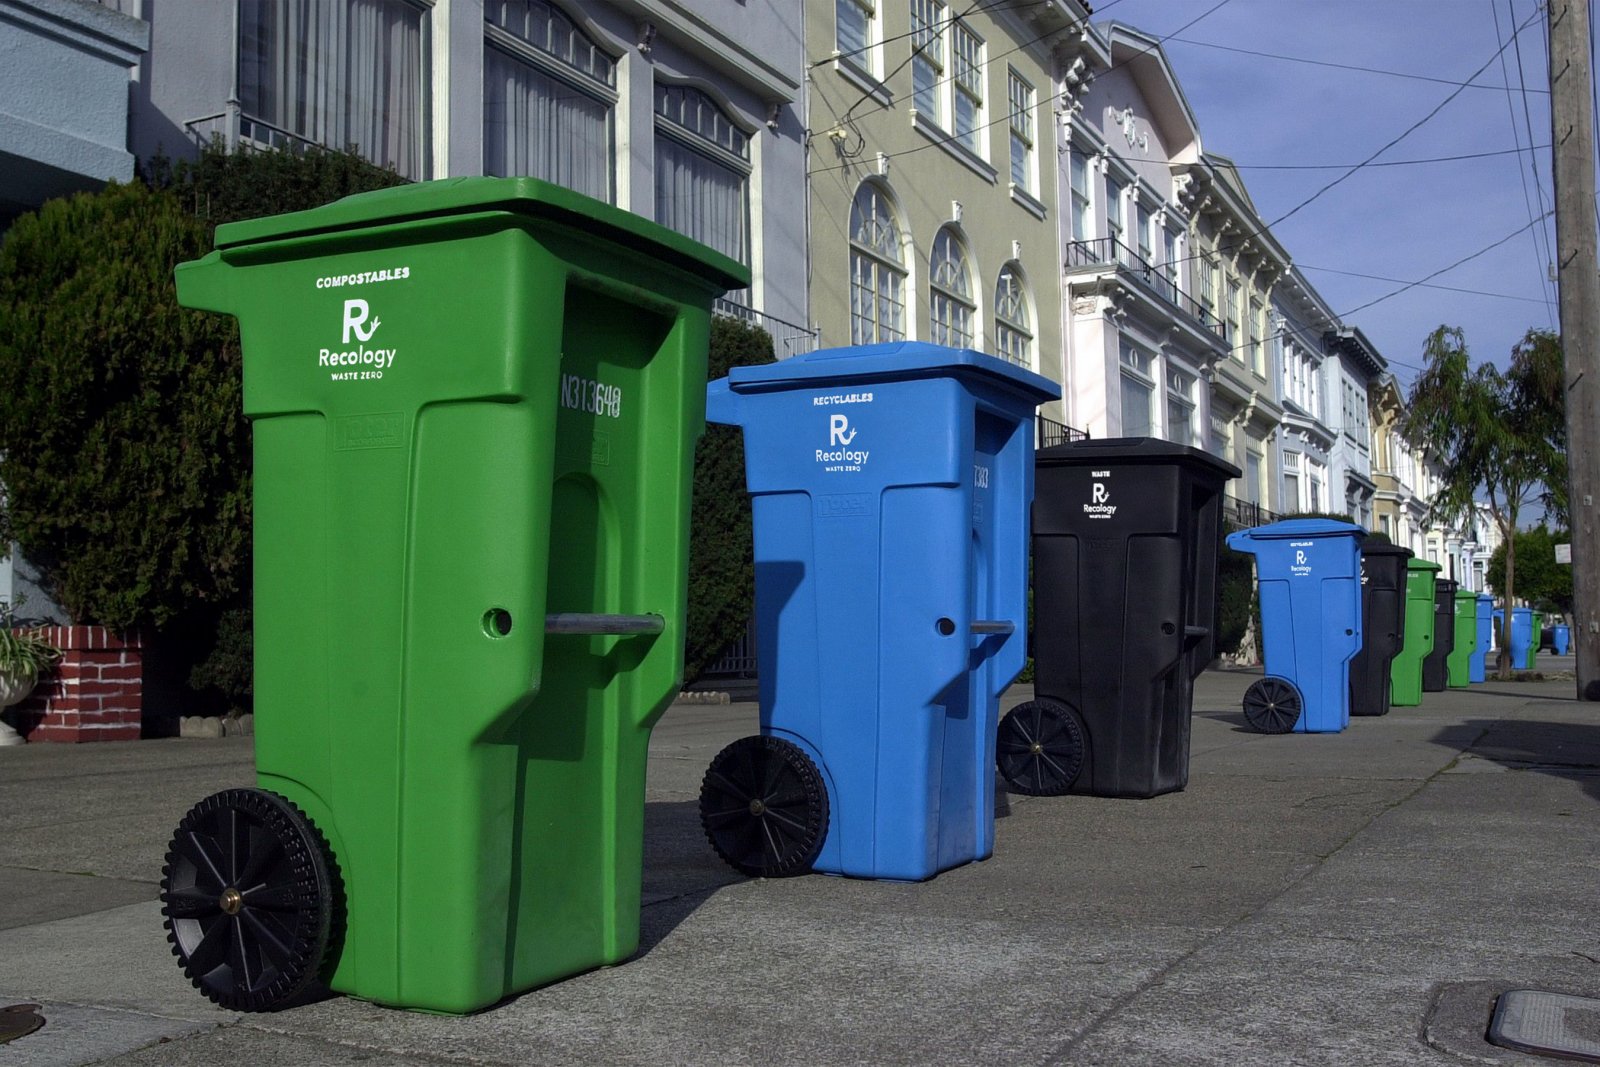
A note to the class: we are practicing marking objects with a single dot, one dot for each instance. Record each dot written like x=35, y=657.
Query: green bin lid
x=422, y=201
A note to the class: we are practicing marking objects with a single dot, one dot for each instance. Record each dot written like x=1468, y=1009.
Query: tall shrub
x=123, y=449
x=721, y=548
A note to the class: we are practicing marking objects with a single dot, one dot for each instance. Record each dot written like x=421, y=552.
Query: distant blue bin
x=1521, y=636
x=1476, y=665
x=1308, y=572
x=1560, y=638
x=890, y=488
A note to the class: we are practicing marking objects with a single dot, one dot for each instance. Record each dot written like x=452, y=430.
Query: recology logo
x=1300, y=566
x=839, y=456
x=1099, y=506
x=356, y=324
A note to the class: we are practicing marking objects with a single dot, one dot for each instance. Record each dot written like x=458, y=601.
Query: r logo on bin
x=839, y=432
x=1300, y=558
x=355, y=315
x=1101, y=493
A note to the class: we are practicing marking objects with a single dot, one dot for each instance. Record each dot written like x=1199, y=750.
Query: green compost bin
x=1458, y=664
x=474, y=405
x=1533, y=645
x=1405, y=673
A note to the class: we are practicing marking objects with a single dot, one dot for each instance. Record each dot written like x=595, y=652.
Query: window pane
x=541, y=126
x=340, y=75
x=852, y=22
x=1136, y=397
x=700, y=198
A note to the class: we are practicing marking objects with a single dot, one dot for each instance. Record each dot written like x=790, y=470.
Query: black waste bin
x=1436, y=668
x=1383, y=625
x=1125, y=539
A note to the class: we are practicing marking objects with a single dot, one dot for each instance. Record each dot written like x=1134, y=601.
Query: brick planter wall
x=96, y=692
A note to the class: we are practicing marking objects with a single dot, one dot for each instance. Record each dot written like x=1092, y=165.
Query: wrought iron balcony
x=1052, y=432
x=1107, y=252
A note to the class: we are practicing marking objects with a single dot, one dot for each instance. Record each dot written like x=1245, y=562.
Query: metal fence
x=1051, y=432
x=1107, y=251
x=788, y=339
x=1243, y=514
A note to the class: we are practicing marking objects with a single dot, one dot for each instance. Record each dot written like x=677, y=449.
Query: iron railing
x=788, y=339
x=1108, y=251
x=1243, y=514
x=1051, y=432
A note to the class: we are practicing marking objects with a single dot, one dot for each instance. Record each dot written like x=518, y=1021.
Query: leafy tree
x=721, y=543
x=1541, y=581
x=1495, y=434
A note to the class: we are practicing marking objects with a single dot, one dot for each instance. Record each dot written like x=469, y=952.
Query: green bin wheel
x=248, y=898
x=764, y=807
x=1039, y=748
x=1273, y=705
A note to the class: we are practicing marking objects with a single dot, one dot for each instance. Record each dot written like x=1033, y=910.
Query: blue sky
x=1400, y=222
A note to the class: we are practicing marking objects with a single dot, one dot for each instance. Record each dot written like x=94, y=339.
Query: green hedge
x=721, y=549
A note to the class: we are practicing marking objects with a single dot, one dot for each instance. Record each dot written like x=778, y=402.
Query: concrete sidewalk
x=1358, y=898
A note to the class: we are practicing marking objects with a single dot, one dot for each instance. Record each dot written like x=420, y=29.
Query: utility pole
x=1572, y=138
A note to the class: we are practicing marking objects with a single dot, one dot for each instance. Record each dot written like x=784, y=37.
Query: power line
x=1469, y=84
x=1425, y=285
x=1404, y=134
x=1442, y=270
x=935, y=142
x=1540, y=237
x=1394, y=163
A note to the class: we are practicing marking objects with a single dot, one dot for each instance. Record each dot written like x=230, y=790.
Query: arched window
x=1013, y=331
x=702, y=169
x=950, y=304
x=548, y=94
x=877, y=270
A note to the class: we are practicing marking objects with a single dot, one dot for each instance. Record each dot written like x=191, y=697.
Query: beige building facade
x=931, y=175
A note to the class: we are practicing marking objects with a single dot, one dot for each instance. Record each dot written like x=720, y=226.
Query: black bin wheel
x=764, y=807
x=1273, y=705
x=1039, y=749
x=248, y=899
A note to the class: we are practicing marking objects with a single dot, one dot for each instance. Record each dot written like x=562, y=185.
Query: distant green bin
x=474, y=405
x=1405, y=674
x=1533, y=645
x=1459, y=662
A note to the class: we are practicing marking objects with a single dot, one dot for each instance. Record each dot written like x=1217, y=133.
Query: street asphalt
x=1358, y=898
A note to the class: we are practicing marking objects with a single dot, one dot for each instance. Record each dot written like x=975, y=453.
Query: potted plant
x=24, y=655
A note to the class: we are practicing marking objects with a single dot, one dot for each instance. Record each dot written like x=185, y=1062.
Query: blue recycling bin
x=1521, y=636
x=1476, y=664
x=890, y=491
x=1560, y=638
x=1308, y=575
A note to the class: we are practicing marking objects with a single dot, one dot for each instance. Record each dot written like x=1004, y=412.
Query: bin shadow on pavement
x=1560, y=749
x=680, y=872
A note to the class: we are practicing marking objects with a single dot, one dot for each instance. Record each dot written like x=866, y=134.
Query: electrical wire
x=1425, y=285
x=1339, y=66
x=1395, y=162
x=1442, y=270
x=1540, y=236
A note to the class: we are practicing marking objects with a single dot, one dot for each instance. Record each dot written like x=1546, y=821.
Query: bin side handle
x=1191, y=634
x=993, y=626
x=572, y=622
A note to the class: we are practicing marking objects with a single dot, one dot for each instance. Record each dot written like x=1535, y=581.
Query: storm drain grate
x=19, y=1020
x=1547, y=1024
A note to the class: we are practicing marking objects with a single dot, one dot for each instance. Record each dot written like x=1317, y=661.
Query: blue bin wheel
x=247, y=896
x=1040, y=748
x=764, y=807
x=1273, y=705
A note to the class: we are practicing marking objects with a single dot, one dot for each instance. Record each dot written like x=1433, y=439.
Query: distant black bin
x=1125, y=539
x=1383, y=625
x=1436, y=668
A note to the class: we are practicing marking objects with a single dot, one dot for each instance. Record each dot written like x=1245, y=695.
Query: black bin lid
x=1371, y=546
x=1139, y=450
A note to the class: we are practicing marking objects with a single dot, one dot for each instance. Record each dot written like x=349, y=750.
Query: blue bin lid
x=1304, y=528
x=898, y=360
